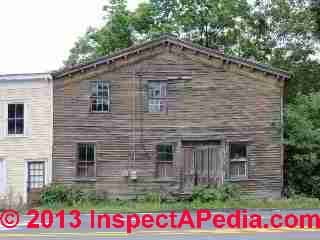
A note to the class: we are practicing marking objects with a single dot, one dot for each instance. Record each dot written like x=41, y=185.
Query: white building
x=25, y=135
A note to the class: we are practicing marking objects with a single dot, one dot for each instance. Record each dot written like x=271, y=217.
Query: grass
x=113, y=206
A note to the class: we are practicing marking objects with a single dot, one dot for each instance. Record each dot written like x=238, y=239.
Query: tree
x=315, y=8
x=117, y=33
x=304, y=144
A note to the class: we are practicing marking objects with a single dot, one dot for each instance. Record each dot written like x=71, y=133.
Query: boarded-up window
x=35, y=175
x=86, y=160
x=15, y=119
x=238, y=160
x=157, y=96
x=99, y=96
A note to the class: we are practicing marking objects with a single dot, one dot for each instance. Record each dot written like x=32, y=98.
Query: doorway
x=203, y=165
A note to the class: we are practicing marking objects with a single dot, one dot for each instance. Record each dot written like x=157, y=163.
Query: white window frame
x=24, y=119
x=28, y=172
x=27, y=117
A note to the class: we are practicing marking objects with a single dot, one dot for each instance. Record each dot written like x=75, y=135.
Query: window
x=86, y=160
x=99, y=96
x=165, y=153
x=165, y=160
x=238, y=160
x=35, y=175
x=15, y=119
x=157, y=93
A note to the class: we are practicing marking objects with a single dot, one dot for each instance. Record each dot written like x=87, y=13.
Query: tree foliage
x=304, y=144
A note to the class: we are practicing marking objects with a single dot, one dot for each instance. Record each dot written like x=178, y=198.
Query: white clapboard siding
x=36, y=142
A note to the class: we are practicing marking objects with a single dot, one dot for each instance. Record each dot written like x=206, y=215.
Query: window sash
x=100, y=96
x=36, y=175
x=157, y=96
x=86, y=161
x=15, y=119
x=238, y=166
x=238, y=169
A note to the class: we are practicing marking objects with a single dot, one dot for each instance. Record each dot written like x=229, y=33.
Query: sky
x=36, y=35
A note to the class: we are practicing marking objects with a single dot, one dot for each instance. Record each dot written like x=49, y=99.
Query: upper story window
x=238, y=160
x=86, y=160
x=99, y=96
x=157, y=96
x=15, y=119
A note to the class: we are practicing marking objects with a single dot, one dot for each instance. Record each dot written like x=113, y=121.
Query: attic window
x=238, y=160
x=99, y=96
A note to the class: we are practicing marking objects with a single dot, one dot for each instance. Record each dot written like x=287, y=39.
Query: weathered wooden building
x=169, y=114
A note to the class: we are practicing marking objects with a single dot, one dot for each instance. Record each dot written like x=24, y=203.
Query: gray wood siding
x=206, y=98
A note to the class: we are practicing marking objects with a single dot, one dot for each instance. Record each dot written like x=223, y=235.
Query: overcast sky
x=36, y=35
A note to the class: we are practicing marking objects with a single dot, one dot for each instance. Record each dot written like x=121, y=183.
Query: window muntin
x=165, y=153
x=165, y=160
x=99, y=96
x=36, y=175
x=157, y=96
x=86, y=160
x=16, y=119
x=238, y=160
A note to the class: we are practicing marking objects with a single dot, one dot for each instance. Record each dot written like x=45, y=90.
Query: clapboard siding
x=205, y=98
x=37, y=142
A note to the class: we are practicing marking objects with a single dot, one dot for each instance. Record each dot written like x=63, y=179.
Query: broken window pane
x=99, y=97
x=165, y=152
x=238, y=160
x=157, y=91
x=238, y=150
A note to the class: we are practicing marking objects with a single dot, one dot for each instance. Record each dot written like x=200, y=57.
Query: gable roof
x=25, y=76
x=171, y=40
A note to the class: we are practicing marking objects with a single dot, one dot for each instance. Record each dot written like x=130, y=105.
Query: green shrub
x=152, y=197
x=54, y=194
x=57, y=194
x=221, y=193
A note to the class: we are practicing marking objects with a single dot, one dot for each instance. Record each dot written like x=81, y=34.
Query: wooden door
x=203, y=165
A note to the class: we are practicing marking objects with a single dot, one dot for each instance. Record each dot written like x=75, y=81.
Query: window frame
x=162, y=100
x=160, y=152
x=78, y=162
x=15, y=134
x=244, y=160
x=43, y=182
x=91, y=97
